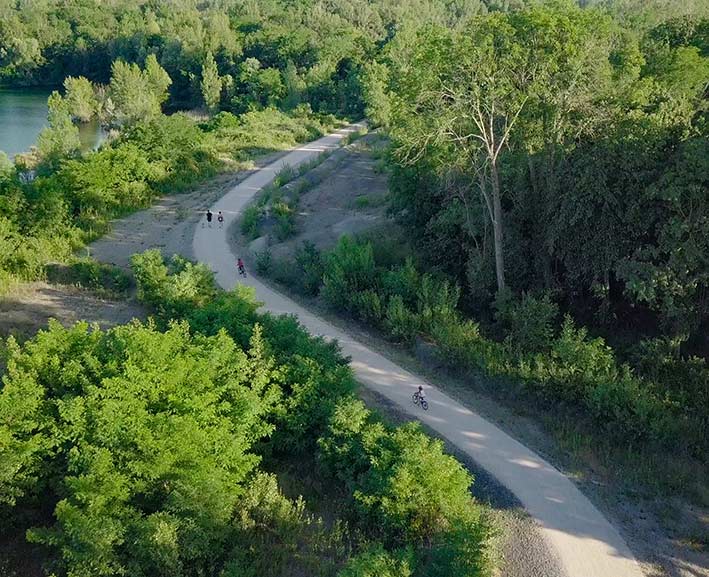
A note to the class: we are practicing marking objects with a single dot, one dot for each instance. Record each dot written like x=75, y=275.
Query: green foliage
x=405, y=490
x=137, y=94
x=91, y=274
x=398, y=484
x=528, y=322
x=349, y=269
x=80, y=98
x=61, y=138
x=250, y=219
x=159, y=461
x=175, y=289
x=211, y=83
x=377, y=562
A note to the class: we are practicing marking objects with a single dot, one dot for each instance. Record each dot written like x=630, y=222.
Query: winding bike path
x=586, y=544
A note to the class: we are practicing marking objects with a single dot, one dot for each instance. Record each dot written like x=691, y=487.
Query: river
x=23, y=115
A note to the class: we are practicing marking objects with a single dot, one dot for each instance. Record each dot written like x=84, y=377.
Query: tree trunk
x=497, y=227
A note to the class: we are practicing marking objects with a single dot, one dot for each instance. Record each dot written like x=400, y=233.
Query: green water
x=23, y=115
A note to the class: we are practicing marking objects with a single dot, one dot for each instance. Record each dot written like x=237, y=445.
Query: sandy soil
x=349, y=199
x=31, y=306
x=169, y=224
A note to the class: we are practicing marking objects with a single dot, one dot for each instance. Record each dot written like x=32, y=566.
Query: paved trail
x=585, y=542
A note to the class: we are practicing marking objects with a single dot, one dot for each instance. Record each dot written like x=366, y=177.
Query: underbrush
x=102, y=279
x=659, y=405
x=155, y=434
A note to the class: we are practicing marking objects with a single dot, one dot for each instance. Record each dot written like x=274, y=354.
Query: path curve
x=586, y=543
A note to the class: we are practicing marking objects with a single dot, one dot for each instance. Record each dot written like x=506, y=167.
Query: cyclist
x=240, y=266
x=220, y=219
x=421, y=394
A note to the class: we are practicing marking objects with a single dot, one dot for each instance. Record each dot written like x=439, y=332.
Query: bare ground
x=30, y=307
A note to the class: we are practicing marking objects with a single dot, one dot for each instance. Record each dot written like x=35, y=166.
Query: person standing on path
x=209, y=219
x=220, y=219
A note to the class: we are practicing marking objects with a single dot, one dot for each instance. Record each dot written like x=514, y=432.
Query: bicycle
x=418, y=399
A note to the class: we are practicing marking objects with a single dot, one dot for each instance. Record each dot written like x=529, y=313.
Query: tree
x=465, y=97
x=80, y=98
x=138, y=94
x=157, y=79
x=211, y=83
x=61, y=138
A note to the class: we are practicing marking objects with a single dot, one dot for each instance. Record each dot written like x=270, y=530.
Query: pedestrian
x=209, y=218
x=220, y=219
x=240, y=267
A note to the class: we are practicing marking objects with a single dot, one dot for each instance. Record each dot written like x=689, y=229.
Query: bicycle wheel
x=415, y=398
x=424, y=404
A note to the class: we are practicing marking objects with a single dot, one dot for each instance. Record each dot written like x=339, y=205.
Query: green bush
x=528, y=322
x=404, y=489
x=133, y=434
x=90, y=274
x=401, y=323
x=264, y=262
x=250, y=221
x=285, y=175
x=285, y=218
x=349, y=269
x=369, y=307
x=377, y=562
x=310, y=263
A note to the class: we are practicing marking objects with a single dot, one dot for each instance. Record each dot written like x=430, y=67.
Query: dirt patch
x=168, y=224
x=348, y=198
x=31, y=306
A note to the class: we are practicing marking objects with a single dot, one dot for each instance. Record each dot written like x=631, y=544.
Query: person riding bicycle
x=220, y=219
x=421, y=394
x=240, y=266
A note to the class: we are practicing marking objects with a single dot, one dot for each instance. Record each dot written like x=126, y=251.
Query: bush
x=310, y=262
x=404, y=489
x=264, y=262
x=349, y=269
x=90, y=274
x=528, y=322
x=285, y=175
x=250, y=221
x=369, y=307
x=132, y=432
x=377, y=562
x=400, y=322
x=172, y=290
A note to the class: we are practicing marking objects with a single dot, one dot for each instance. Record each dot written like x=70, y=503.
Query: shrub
x=310, y=262
x=369, y=307
x=250, y=221
x=264, y=262
x=172, y=290
x=400, y=322
x=285, y=218
x=403, y=281
x=377, y=562
x=349, y=269
x=285, y=175
x=132, y=433
x=527, y=322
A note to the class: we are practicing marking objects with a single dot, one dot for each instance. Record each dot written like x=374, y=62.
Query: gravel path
x=584, y=541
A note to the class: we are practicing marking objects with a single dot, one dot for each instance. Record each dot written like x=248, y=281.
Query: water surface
x=23, y=115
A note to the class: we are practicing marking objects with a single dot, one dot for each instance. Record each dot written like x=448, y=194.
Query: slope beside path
x=586, y=544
